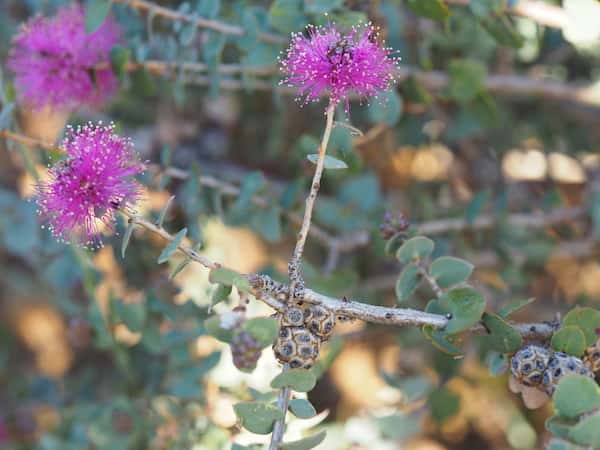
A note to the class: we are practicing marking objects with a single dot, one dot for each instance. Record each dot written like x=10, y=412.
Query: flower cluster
x=327, y=62
x=84, y=190
x=55, y=60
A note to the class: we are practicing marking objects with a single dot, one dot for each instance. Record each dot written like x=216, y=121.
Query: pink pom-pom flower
x=54, y=61
x=86, y=189
x=327, y=62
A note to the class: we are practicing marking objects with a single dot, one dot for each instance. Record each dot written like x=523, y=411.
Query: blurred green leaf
x=587, y=431
x=587, y=319
x=300, y=380
x=432, y=9
x=132, y=314
x=449, y=271
x=229, y=277
x=569, y=339
x=443, y=404
x=475, y=206
x=306, y=443
x=466, y=79
x=302, y=408
x=286, y=16
x=214, y=329
x=594, y=211
x=329, y=162
x=514, y=306
x=440, y=340
x=96, y=12
x=400, y=426
x=387, y=108
x=466, y=306
x=520, y=434
x=263, y=329
x=322, y=6
x=221, y=294
x=119, y=57
x=208, y=9
x=127, y=237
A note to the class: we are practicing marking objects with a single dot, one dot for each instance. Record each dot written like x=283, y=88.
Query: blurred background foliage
x=496, y=114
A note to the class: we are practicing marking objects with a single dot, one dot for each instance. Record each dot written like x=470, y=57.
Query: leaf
x=588, y=319
x=448, y=271
x=306, y=443
x=268, y=223
x=502, y=338
x=441, y=341
x=386, y=109
x=300, y=380
x=594, y=211
x=500, y=27
x=96, y=12
x=6, y=115
x=229, y=277
x=208, y=8
x=466, y=306
x=520, y=434
x=163, y=212
x=514, y=306
x=171, y=248
x=187, y=34
x=263, y=329
x=559, y=426
x=432, y=9
x=214, y=329
x=302, y=408
x=575, y=395
x=133, y=315
x=182, y=265
x=559, y=444
x=475, y=206
x=119, y=57
x=407, y=282
x=257, y=417
x=393, y=244
x=443, y=404
x=251, y=185
x=466, y=79
x=587, y=431
x=415, y=248
x=329, y=162
x=221, y=294
x=399, y=426
x=322, y=6
x=569, y=339
x=286, y=16
x=127, y=237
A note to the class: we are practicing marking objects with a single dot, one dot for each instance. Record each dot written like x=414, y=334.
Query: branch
x=510, y=85
x=538, y=11
x=156, y=10
x=283, y=400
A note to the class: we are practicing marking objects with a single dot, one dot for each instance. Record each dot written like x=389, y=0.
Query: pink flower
x=327, y=62
x=86, y=188
x=54, y=59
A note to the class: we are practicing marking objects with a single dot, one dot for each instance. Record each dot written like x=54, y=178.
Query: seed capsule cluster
x=245, y=350
x=539, y=367
x=303, y=329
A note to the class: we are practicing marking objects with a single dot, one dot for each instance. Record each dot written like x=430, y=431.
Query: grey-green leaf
x=170, y=249
x=407, y=282
x=466, y=307
x=300, y=380
x=257, y=417
x=329, y=162
x=302, y=408
x=569, y=339
x=127, y=237
x=263, y=329
x=96, y=12
x=306, y=443
x=449, y=271
x=415, y=248
x=575, y=395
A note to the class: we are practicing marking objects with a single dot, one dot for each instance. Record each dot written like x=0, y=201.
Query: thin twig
x=283, y=400
x=435, y=287
x=200, y=22
x=296, y=260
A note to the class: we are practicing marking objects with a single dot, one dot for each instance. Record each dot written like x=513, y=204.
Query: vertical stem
x=295, y=262
x=282, y=403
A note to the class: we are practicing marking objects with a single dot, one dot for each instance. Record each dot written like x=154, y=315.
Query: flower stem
x=283, y=401
x=295, y=262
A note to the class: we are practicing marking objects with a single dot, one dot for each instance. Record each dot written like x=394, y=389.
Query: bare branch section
x=508, y=85
x=170, y=14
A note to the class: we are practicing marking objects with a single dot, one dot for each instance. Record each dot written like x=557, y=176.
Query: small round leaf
x=415, y=248
x=449, y=271
x=302, y=408
x=300, y=380
x=407, y=282
x=569, y=339
x=575, y=395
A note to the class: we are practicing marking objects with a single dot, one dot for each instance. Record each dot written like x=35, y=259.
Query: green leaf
x=163, y=212
x=587, y=431
x=257, y=417
x=448, y=271
x=393, y=244
x=286, y=16
x=322, y=6
x=251, y=184
x=263, y=329
x=302, y=408
x=407, y=282
x=214, y=329
x=588, y=319
x=443, y=404
x=575, y=395
x=96, y=12
x=441, y=341
x=514, y=306
x=329, y=163
x=208, y=9
x=268, y=223
x=399, y=426
x=466, y=306
x=500, y=27
x=503, y=338
x=182, y=265
x=127, y=237
x=475, y=206
x=520, y=434
x=569, y=339
x=170, y=249
x=595, y=212
x=187, y=34
x=415, y=248
x=221, y=294
x=466, y=79
x=119, y=57
x=300, y=380
x=559, y=444
x=386, y=109
x=432, y=9
x=229, y=277
x=306, y=443
x=559, y=426
x=133, y=315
